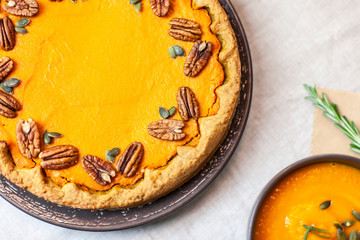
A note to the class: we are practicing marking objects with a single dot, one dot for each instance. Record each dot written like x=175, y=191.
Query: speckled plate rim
x=322, y=158
x=102, y=220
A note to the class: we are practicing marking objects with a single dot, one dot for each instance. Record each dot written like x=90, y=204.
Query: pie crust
x=155, y=182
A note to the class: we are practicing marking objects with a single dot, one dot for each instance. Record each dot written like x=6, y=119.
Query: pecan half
x=6, y=65
x=28, y=138
x=100, y=170
x=7, y=31
x=25, y=8
x=130, y=160
x=8, y=105
x=59, y=157
x=197, y=58
x=167, y=129
x=160, y=7
x=188, y=105
x=184, y=29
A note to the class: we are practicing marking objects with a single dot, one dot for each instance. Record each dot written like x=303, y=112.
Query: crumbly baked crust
x=158, y=182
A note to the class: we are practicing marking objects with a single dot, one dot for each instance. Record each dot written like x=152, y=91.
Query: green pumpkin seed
x=22, y=22
x=179, y=51
x=172, y=111
x=356, y=214
x=21, y=30
x=172, y=52
x=341, y=235
x=110, y=158
x=354, y=235
x=325, y=205
x=338, y=225
x=54, y=134
x=163, y=112
x=134, y=1
x=348, y=223
x=6, y=88
x=11, y=82
x=47, y=138
x=137, y=7
x=113, y=152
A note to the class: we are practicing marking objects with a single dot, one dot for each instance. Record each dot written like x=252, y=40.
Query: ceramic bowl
x=338, y=158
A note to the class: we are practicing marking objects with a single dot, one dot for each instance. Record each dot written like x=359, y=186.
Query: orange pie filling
x=97, y=72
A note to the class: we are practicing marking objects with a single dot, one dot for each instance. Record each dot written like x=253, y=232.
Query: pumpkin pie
x=111, y=104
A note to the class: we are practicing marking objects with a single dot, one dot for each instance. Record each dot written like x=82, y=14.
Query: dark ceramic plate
x=121, y=219
x=338, y=158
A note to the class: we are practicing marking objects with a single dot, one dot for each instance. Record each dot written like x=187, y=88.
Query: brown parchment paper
x=327, y=138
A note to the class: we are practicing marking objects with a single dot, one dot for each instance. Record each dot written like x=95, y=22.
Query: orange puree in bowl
x=97, y=72
x=295, y=201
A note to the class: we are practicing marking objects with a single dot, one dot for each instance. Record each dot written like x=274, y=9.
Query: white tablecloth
x=292, y=42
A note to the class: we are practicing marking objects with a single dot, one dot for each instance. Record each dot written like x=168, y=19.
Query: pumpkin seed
x=172, y=111
x=163, y=112
x=6, y=88
x=21, y=30
x=110, y=158
x=356, y=214
x=11, y=82
x=354, y=235
x=341, y=235
x=179, y=51
x=172, y=52
x=113, y=152
x=134, y=1
x=137, y=7
x=325, y=205
x=338, y=225
x=348, y=223
x=47, y=138
x=22, y=22
x=54, y=134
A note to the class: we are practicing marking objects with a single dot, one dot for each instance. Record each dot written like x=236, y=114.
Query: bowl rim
x=339, y=158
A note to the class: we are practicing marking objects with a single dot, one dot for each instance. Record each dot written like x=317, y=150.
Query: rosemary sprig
x=331, y=111
x=307, y=233
x=315, y=231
